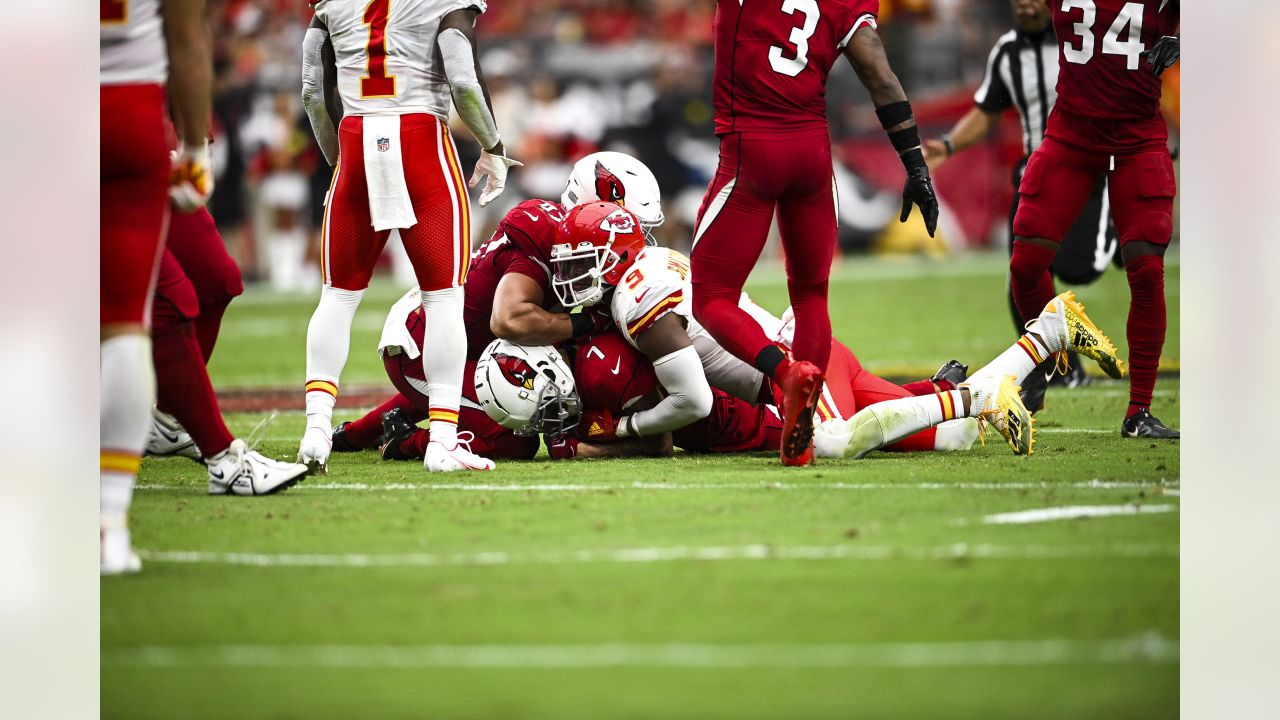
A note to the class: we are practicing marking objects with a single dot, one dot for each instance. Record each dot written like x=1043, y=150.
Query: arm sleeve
x=468, y=95
x=993, y=95
x=313, y=93
x=689, y=395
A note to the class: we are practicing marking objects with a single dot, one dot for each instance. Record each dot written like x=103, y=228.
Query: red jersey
x=610, y=374
x=773, y=58
x=1102, y=74
x=521, y=244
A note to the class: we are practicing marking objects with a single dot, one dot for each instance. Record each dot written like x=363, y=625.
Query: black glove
x=919, y=190
x=1163, y=54
x=592, y=321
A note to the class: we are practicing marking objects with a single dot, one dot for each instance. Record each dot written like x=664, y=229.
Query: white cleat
x=314, y=450
x=241, y=471
x=169, y=439
x=440, y=458
x=116, y=552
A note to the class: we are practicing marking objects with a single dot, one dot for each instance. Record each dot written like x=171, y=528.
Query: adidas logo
x=1081, y=339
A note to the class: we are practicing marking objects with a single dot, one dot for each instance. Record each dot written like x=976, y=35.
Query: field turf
x=691, y=587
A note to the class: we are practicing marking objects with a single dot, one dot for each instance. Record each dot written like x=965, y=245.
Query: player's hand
x=919, y=191
x=598, y=426
x=595, y=320
x=495, y=168
x=935, y=153
x=563, y=447
x=191, y=177
x=1163, y=54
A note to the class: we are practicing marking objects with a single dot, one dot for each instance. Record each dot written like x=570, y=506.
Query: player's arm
x=457, y=43
x=866, y=53
x=318, y=77
x=191, y=96
x=518, y=315
x=679, y=369
x=971, y=129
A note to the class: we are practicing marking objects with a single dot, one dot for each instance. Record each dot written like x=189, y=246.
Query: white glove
x=495, y=167
x=191, y=180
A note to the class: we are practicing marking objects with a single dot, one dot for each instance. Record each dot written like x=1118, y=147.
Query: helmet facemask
x=557, y=412
x=578, y=272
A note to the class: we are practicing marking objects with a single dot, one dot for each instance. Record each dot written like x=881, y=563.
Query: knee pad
x=1030, y=261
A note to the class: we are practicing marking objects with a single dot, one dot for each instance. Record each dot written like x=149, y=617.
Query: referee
x=1022, y=72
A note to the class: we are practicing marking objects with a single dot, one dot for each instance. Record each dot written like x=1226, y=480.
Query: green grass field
x=895, y=586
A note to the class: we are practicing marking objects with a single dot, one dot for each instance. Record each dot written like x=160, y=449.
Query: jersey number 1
x=791, y=66
x=1130, y=17
x=377, y=84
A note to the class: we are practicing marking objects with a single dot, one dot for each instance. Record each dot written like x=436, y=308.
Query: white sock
x=956, y=435
x=907, y=416
x=328, y=342
x=1021, y=358
x=444, y=358
x=128, y=391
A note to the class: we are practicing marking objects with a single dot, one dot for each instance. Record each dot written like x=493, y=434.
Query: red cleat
x=801, y=386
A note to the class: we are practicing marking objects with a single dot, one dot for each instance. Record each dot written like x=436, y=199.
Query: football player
x=772, y=59
x=1107, y=121
x=144, y=45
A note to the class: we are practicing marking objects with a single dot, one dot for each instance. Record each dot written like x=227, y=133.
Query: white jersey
x=386, y=54
x=658, y=284
x=131, y=43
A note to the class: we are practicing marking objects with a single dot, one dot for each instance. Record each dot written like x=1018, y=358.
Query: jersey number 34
x=1129, y=19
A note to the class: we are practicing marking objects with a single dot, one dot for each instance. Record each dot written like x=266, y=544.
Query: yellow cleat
x=1005, y=412
x=1083, y=336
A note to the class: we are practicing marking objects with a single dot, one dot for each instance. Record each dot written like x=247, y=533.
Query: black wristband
x=950, y=146
x=913, y=160
x=905, y=139
x=894, y=114
x=581, y=323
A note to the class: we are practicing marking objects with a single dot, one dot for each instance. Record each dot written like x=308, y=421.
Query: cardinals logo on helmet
x=608, y=186
x=516, y=370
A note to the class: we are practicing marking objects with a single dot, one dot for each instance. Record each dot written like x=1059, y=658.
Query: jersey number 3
x=791, y=66
x=377, y=84
x=1130, y=18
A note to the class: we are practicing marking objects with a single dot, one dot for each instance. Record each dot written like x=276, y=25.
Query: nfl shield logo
x=384, y=144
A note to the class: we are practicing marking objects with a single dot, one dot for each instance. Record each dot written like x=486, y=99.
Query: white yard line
x=598, y=487
x=1148, y=648
x=662, y=554
x=1072, y=512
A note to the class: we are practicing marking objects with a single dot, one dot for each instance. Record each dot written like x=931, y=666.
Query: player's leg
x=439, y=246
x=349, y=250
x=1142, y=192
x=199, y=249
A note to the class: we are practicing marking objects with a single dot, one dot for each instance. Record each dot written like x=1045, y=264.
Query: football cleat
x=116, y=555
x=339, y=441
x=1036, y=384
x=1081, y=335
x=314, y=449
x=1003, y=409
x=1143, y=424
x=241, y=471
x=396, y=428
x=442, y=458
x=169, y=439
x=953, y=372
x=801, y=387
x=1074, y=377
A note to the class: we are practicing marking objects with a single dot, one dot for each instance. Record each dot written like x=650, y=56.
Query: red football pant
x=438, y=245
x=849, y=388
x=789, y=174
x=134, y=199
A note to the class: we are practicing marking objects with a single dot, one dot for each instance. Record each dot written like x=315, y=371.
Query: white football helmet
x=528, y=390
x=619, y=178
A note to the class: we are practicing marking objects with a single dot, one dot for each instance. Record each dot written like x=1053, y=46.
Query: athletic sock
x=928, y=387
x=182, y=384
x=956, y=435
x=1018, y=360
x=1029, y=277
x=772, y=361
x=365, y=431
x=1146, y=327
x=812, y=341
x=444, y=359
x=127, y=393
x=328, y=342
x=903, y=417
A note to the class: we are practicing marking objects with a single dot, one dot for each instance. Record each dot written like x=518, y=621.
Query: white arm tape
x=313, y=93
x=468, y=96
x=688, y=394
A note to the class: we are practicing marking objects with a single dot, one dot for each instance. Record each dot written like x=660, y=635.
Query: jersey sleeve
x=647, y=293
x=860, y=13
x=993, y=95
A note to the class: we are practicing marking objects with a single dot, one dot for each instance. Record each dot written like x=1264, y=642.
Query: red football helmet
x=595, y=246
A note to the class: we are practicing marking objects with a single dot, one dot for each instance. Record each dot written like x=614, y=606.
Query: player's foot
x=1036, y=384
x=169, y=439
x=396, y=428
x=1064, y=314
x=953, y=372
x=443, y=458
x=314, y=450
x=241, y=471
x=1143, y=424
x=339, y=442
x=801, y=387
x=116, y=555
x=999, y=404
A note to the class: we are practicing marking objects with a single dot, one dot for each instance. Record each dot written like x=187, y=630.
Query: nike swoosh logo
x=617, y=366
x=216, y=473
x=642, y=294
x=532, y=217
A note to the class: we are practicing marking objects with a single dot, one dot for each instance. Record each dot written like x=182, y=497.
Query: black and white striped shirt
x=1022, y=72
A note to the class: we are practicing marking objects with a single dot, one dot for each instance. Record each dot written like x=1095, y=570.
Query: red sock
x=922, y=441
x=416, y=444
x=1031, y=282
x=812, y=340
x=929, y=387
x=182, y=383
x=1146, y=327
x=365, y=431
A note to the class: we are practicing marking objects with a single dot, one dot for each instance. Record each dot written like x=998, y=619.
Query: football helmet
x=528, y=390
x=595, y=245
x=617, y=178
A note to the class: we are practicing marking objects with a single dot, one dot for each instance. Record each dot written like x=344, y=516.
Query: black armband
x=581, y=323
x=914, y=160
x=905, y=139
x=894, y=113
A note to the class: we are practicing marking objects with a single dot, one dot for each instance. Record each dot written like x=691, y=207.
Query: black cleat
x=1143, y=424
x=1075, y=376
x=341, y=443
x=953, y=372
x=396, y=428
